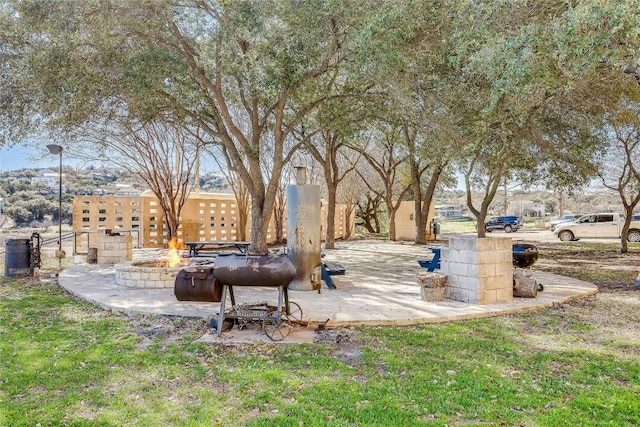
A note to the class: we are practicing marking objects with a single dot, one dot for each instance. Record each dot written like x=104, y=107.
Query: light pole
x=57, y=150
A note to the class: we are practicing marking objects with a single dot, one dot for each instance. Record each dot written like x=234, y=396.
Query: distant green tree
x=18, y=214
x=39, y=206
x=18, y=185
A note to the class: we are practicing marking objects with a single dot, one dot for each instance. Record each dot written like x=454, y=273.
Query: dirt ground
x=609, y=269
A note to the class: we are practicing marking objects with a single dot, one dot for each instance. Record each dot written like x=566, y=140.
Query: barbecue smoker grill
x=299, y=269
x=259, y=271
x=524, y=255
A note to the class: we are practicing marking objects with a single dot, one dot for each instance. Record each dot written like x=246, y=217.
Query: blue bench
x=433, y=263
x=334, y=269
x=329, y=269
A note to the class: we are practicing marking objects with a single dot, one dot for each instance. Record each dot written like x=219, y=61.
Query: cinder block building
x=406, y=223
x=204, y=217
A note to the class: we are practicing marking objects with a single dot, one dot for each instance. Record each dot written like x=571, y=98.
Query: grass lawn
x=65, y=362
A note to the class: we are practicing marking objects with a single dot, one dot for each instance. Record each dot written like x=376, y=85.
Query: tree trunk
x=376, y=222
x=420, y=234
x=330, y=234
x=258, y=228
x=421, y=225
x=482, y=231
x=172, y=227
x=423, y=205
x=561, y=203
x=624, y=236
x=348, y=212
x=392, y=224
x=278, y=214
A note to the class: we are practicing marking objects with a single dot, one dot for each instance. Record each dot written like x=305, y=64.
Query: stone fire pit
x=146, y=274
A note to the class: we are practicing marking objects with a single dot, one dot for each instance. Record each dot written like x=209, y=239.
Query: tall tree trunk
x=561, y=203
x=431, y=189
x=392, y=224
x=330, y=233
x=278, y=214
x=392, y=209
x=348, y=213
x=259, y=227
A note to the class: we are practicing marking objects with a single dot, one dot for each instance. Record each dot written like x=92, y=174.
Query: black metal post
x=56, y=149
x=60, y=205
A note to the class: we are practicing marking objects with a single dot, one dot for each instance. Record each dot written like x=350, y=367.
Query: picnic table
x=196, y=247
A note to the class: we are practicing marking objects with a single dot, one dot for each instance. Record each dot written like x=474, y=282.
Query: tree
x=326, y=149
x=511, y=73
x=350, y=193
x=368, y=211
x=19, y=214
x=416, y=81
x=162, y=152
x=621, y=134
x=245, y=72
x=239, y=189
x=270, y=76
x=387, y=156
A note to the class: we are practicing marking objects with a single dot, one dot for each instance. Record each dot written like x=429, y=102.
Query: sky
x=22, y=156
x=19, y=157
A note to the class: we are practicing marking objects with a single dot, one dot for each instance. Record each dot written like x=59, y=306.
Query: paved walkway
x=379, y=288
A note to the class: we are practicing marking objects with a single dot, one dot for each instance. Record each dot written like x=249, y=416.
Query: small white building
x=48, y=179
x=526, y=208
x=449, y=211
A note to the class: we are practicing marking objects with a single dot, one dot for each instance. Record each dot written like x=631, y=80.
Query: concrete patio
x=379, y=288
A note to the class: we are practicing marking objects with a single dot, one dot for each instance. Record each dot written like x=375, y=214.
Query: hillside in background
x=30, y=196
x=35, y=204
x=512, y=202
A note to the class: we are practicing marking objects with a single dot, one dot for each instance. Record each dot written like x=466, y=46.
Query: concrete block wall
x=114, y=249
x=132, y=276
x=479, y=269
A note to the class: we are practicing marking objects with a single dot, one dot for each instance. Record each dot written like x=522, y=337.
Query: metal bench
x=334, y=269
x=329, y=269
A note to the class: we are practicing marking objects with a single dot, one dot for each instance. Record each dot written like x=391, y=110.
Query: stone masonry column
x=479, y=270
x=113, y=249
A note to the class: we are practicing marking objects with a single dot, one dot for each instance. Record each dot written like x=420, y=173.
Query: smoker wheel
x=276, y=327
x=295, y=313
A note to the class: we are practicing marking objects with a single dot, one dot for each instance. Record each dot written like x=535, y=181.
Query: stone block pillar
x=479, y=269
x=113, y=249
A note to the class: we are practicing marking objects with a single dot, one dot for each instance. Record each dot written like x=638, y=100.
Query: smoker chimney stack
x=301, y=175
x=303, y=232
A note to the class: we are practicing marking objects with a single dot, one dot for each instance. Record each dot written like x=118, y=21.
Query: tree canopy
x=499, y=89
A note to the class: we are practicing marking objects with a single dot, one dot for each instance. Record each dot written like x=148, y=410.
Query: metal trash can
x=92, y=256
x=17, y=258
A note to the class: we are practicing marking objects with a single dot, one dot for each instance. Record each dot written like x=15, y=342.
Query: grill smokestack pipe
x=301, y=175
x=303, y=232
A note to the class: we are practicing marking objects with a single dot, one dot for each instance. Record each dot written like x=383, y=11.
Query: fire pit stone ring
x=145, y=274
